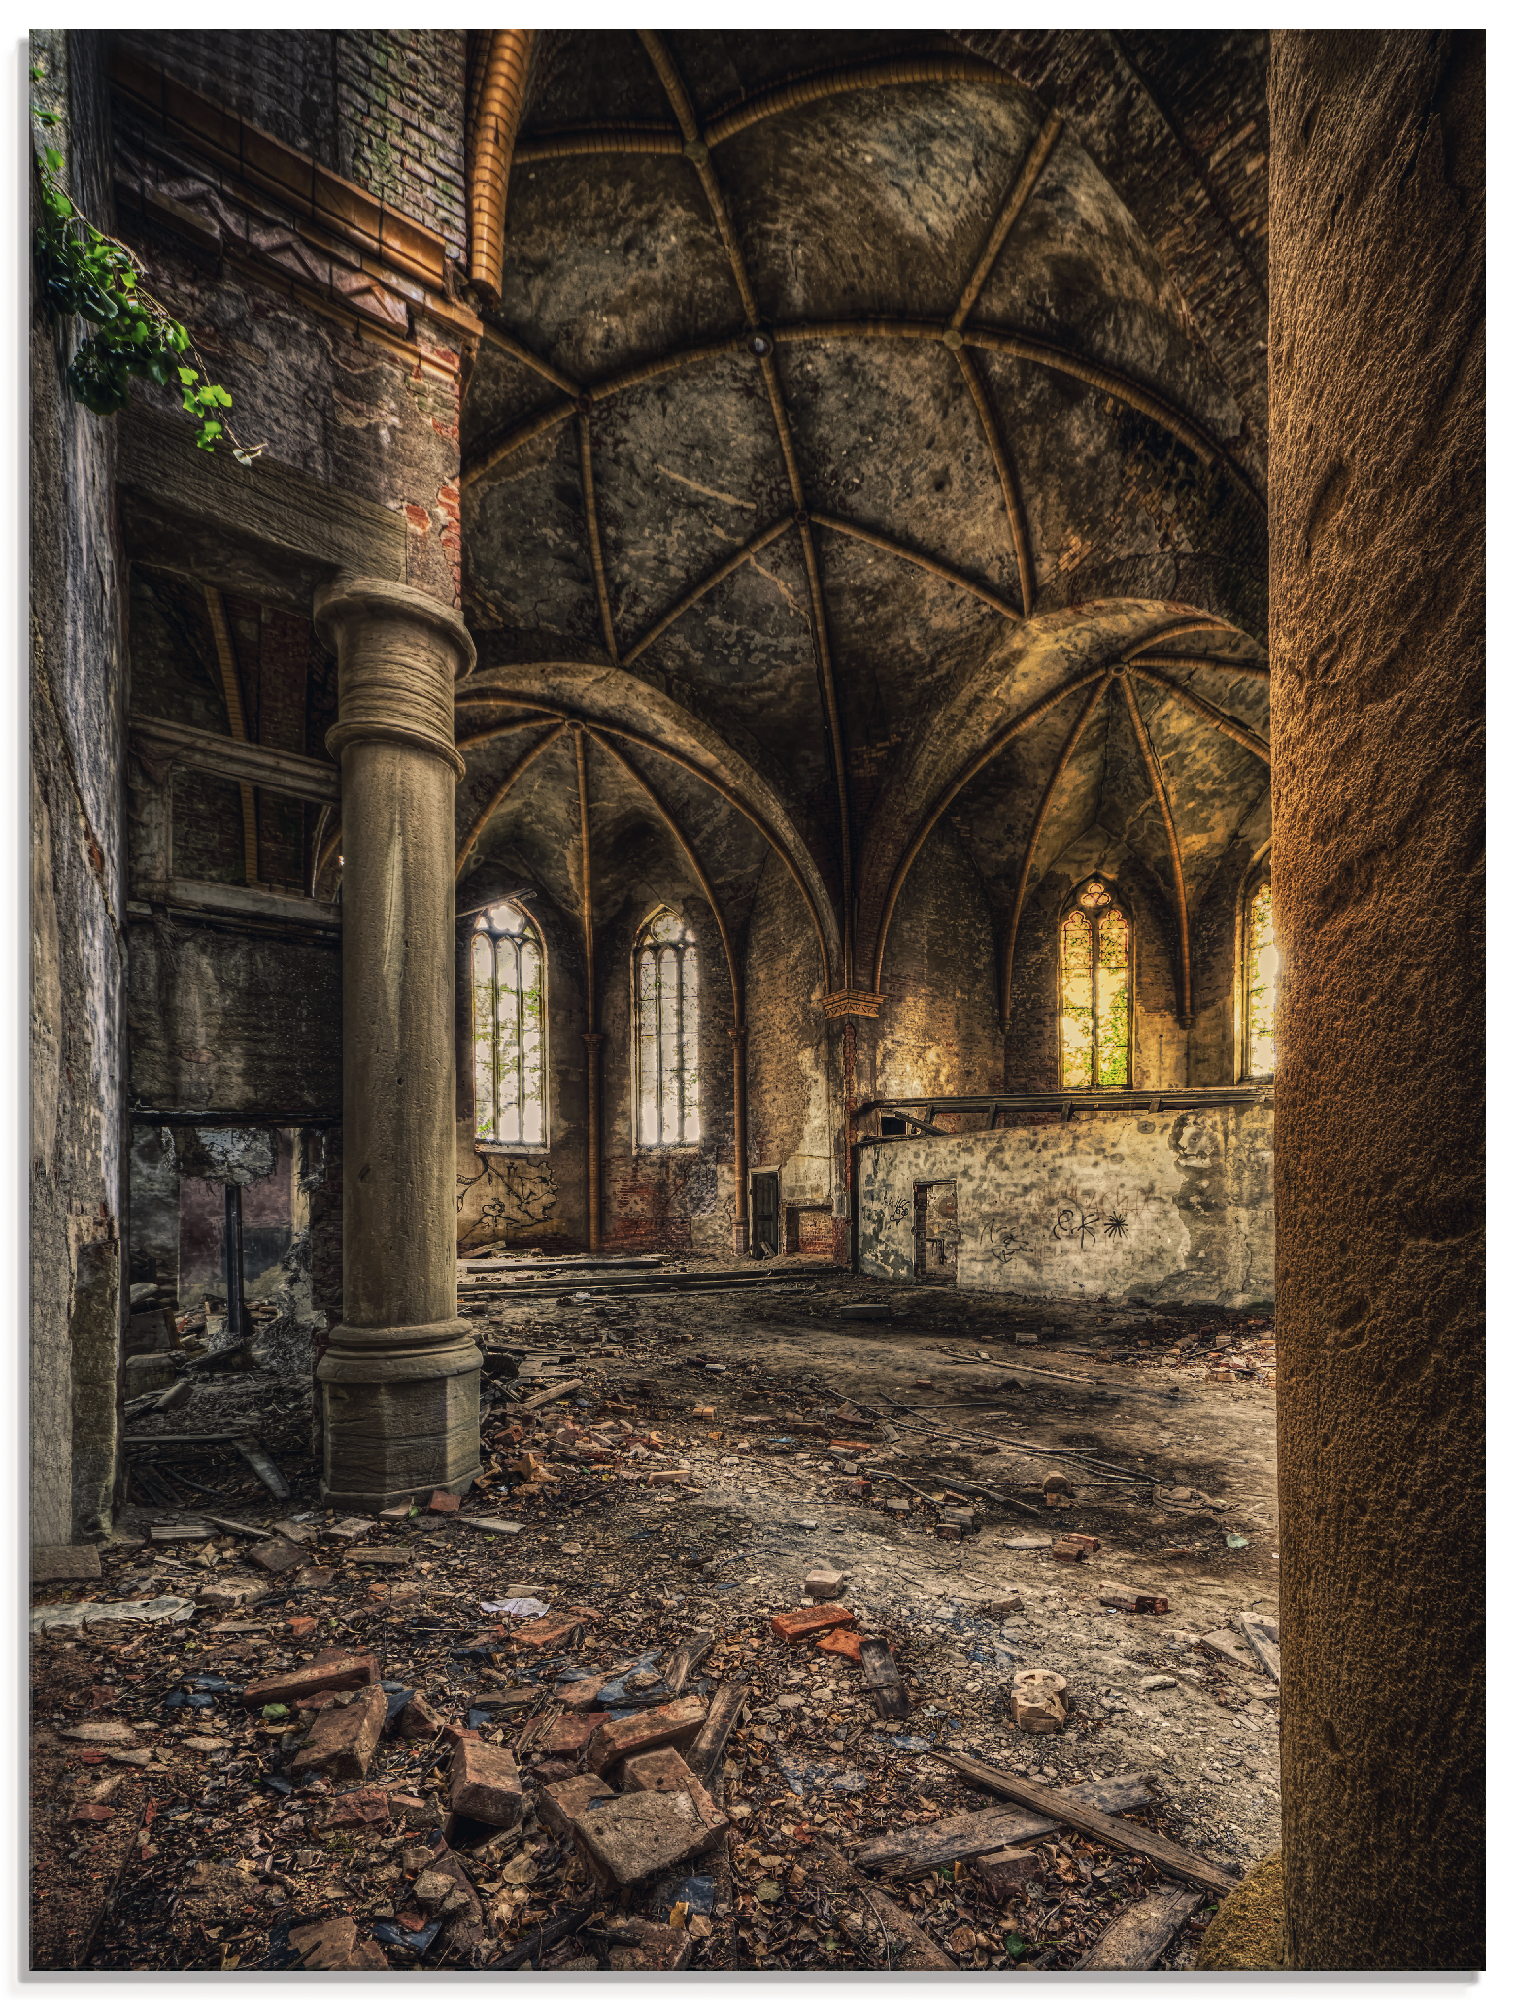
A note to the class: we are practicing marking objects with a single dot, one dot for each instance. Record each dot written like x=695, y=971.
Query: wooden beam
x=240, y=762
x=1068, y=1810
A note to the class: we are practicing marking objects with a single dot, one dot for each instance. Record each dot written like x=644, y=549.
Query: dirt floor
x=706, y=1458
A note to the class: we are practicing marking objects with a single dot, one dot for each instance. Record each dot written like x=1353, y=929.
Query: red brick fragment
x=342, y=1740
x=813, y=1618
x=676, y=1722
x=328, y=1673
x=443, y=1502
x=486, y=1784
x=848, y=1644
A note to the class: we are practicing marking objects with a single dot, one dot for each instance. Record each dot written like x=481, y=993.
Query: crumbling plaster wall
x=939, y=1031
x=792, y=1096
x=77, y=1168
x=1159, y=1206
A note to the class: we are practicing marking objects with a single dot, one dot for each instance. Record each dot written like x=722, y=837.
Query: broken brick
x=630, y=1838
x=558, y=1805
x=848, y=1645
x=342, y=1740
x=332, y=1946
x=560, y=1735
x=676, y=1722
x=328, y=1673
x=556, y=1629
x=1140, y=1600
x=277, y=1556
x=1036, y=1701
x=580, y=1694
x=1003, y=1871
x=814, y=1618
x=655, y=1771
x=443, y=1502
x=823, y=1584
x=486, y=1785
x=418, y=1721
x=1074, y=1548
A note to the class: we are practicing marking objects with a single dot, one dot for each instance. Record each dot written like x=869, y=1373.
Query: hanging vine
x=88, y=275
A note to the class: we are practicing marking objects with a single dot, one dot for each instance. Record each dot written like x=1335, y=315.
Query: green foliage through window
x=509, y=1055
x=90, y=276
x=1094, y=992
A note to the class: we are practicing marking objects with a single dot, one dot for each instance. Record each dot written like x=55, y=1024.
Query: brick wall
x=382, y=107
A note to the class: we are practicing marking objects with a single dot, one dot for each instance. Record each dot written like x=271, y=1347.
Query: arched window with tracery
x=666, y=975
x=1259, y=983
x=509, y=1041
x=1094, y=991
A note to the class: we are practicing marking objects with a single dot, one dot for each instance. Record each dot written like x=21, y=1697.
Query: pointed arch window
x=666, y=975
x=507, y=964
x=1094, y=991
x=1259, y=983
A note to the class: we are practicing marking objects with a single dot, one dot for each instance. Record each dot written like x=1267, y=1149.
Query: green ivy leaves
x=88, y=275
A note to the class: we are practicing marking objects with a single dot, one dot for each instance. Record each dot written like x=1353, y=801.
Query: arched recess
x=1032, y=1051
x=1053, y=686
x=585, y=799
x=628, y=714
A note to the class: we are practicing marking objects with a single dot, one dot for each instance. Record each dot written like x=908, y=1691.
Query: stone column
x=1376, y=260
x=400, y=1375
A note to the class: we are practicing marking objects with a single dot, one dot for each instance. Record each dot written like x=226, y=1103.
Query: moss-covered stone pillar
x=1376, y=262
x=400, y=1376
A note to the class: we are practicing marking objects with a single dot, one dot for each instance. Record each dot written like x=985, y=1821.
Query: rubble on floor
x=659, y=1714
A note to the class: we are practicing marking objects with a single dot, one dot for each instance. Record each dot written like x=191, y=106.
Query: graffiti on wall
x=1082, y=1222
x=505, y=1193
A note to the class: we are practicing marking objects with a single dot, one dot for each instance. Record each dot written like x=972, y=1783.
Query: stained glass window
x=1261, y=987
x=509, y=1065
x=667, y=990
x=1095, y=992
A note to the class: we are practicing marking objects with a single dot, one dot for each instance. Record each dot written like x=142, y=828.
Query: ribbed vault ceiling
x=838, y=431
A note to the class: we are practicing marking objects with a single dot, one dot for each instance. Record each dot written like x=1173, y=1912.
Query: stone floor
x=703, y=1463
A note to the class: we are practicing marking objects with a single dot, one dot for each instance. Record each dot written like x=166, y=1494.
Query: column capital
x=398, y=654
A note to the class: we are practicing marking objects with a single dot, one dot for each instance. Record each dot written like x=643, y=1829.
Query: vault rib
x=596, y=541
x=699, y=155
x=718, y=785
x=1028, y=860
x=706, y=584
x=1181, y=660
x=1175, y=856
x=931, y=564
x=992, y=749
x=502, y=792
x=1021, y=191
x=1227, y=724
x=1004, y=472
x=992, y=340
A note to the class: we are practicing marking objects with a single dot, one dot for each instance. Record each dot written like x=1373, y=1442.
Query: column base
x=401, y=1413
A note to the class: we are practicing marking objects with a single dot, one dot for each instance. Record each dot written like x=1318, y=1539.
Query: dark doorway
x=936, y=1232
x=765, y=1213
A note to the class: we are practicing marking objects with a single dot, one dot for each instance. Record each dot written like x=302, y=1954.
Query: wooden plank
x=704, y=1755
x=684, y=1659
x=1066, y=1807
x=907, y=1947
x=916, y=1850
x=1261, y=1634
x=1139, y=1935
x=881, y=1677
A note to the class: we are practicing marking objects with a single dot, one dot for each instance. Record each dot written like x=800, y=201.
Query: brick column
x=400, y=1376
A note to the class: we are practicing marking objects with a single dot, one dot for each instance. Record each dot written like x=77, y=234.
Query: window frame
x=532, y=933
x=1257, y=879
x=688, y=949
x=1072, y=904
